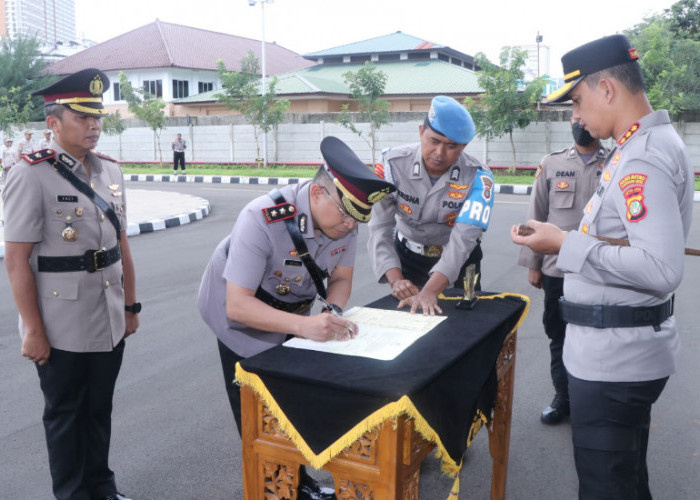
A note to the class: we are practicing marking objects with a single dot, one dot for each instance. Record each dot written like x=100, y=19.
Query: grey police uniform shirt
x=24, y=147
x=179, y=145
x=81, y=311
x=423, y=212
x=646, y=196
x=260, y=254
x=563, y=186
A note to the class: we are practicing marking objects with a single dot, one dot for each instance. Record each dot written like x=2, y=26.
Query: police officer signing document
x=426, y=233
x=621, y=339
x=262, y=279
x=72, y=276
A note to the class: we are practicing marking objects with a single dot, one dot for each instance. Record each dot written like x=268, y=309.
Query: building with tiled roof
x=417, y=70
x=173, y=61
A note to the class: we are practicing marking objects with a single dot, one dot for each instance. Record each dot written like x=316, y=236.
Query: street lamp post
x=264, y=86
x=538, y=40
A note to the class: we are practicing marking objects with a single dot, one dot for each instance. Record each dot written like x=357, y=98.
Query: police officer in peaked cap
x=423, y=236
x=622, y=341
x=258, y=288
x=72, y=276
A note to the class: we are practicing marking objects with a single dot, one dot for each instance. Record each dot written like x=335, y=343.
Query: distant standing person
x=179, y=146
x=44, y=143
x=8, y=156
x=564, y=183
x=26, y=145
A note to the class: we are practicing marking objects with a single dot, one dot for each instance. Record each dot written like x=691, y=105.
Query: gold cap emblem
x=96, y=86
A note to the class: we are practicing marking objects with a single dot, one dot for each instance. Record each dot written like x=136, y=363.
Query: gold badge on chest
x=69, y=233
x=282, y=288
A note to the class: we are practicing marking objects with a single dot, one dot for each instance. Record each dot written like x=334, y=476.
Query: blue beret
x=451, y=119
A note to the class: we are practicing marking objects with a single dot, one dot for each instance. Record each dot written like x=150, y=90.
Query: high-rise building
x=50, y=20
x=537, y=62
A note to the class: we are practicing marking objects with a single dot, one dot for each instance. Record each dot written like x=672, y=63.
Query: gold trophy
x=470, y=278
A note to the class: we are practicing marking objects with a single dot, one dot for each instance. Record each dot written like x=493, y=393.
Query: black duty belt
x=606, y=316
x=290, y=307
x=90, y=261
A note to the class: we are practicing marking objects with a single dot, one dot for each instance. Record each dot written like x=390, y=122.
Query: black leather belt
x=290, y=307
x=605, y=316
x=90, y=261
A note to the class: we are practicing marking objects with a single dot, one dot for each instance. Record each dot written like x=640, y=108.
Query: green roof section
x=428, y=77
x=394, y=42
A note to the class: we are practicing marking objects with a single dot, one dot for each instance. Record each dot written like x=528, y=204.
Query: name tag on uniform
x=66, y=198
x=292, y=262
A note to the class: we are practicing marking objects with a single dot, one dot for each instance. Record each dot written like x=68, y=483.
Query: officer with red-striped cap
x=73, y=279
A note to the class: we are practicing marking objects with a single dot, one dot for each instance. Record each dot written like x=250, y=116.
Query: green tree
x=242, y=93
x=506, y=104
x=21, y=73
x=145, y=107
x=367, y=86
x=670, y=62
x=112, y=124
x=684, y=19
x=14, y=109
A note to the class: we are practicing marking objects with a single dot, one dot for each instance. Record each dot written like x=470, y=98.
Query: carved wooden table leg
x=499, y=428
x=382, y=464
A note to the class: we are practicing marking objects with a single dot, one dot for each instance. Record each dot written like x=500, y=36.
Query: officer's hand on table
x=325, y=326
x=403, y=289
x=132, y=323
x=545, y=238
x=36, y=347
x=426, y=301
x=534, y=276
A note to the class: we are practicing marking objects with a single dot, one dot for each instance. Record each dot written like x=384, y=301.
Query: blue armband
x=477, y=207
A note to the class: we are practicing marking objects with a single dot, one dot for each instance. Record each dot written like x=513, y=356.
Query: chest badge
x=562, y=185
x=69, y=233
x=282, y=288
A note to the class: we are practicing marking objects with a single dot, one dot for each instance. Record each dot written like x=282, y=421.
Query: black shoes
x=116, y=496
x=309, y=489
x=556, y=412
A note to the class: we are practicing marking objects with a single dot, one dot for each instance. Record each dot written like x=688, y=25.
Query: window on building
x=417, y=56
x=117, y=91
x=153, y=87
x=180, y=88
x=389, y=57
x=205, y=86
x=360, y=59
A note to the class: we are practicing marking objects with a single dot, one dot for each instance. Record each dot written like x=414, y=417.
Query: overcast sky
x=310, y=25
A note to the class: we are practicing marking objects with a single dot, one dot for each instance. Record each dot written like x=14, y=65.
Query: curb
x=136, y=228
x=218, y=179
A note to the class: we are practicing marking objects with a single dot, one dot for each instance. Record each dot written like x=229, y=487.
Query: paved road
x=174, y=435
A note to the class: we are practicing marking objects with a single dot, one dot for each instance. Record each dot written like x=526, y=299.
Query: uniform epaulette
x=279, y=212
x=39, y=156
x=105, y=157
x=397, y=153
x=565, y=150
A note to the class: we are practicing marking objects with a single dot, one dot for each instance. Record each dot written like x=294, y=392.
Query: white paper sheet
x=384, y=334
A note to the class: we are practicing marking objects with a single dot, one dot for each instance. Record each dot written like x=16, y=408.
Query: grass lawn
x=525, y=177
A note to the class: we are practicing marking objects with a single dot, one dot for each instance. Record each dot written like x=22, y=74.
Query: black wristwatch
x=333, y=307
x=134, y=308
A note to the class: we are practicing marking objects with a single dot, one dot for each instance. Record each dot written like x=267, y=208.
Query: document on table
x=384, y=334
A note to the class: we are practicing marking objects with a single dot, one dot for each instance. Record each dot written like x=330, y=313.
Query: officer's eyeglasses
x=347, y=218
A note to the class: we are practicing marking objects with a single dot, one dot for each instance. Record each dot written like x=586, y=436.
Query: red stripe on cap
x=358, y=193
x=633, y=53
x=67, y=95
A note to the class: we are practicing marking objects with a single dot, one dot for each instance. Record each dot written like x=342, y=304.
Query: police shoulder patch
x=39, y=156
x=105, y=157
x=279, y=212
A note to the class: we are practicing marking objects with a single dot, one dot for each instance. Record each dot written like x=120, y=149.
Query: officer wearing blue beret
x=423, y=236
x=72, y=276
x=622, y=340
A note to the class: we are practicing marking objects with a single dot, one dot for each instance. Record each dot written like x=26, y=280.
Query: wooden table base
x=395, y=450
